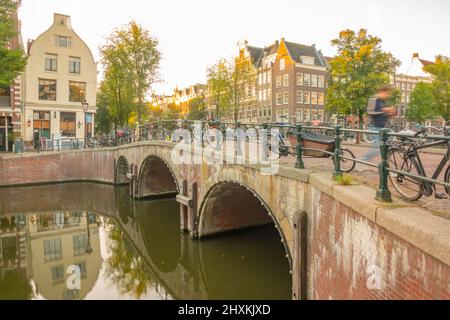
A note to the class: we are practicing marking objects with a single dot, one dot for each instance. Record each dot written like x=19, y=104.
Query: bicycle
x=404, y=156
x=283, y=150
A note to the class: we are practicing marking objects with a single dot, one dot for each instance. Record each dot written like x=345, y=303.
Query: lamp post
x=85, y=106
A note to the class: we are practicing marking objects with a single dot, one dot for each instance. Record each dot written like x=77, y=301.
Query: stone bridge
x=340, y=242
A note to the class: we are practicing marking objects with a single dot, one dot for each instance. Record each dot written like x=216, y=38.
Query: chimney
x=62, y=19
x=415, y=56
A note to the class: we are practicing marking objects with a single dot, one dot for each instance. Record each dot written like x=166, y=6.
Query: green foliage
x=422, y=105
x=219, y=76
x=358, y=69
x=103, y=118
x=131, y=60
x=344, y=180
x=197, y=108
x=12, y=62
x=440, y=86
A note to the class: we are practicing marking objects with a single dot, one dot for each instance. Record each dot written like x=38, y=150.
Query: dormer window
x=63, y=41
x=307, y=60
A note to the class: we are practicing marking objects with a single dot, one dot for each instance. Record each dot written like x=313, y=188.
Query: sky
x=194, y=34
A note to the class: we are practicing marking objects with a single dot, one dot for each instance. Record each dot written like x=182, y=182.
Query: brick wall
x=351, y=257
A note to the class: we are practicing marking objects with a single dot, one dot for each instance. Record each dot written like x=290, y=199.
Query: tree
x=440, y=86
x=103, y=119
x=133, y=51
x=219, y=76
x=197, y=108
x=358, y=69
x=422, y=105
x=242, y=82
x=12, y=60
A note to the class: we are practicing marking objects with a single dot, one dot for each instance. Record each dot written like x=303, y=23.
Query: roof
x=425, y=62
x=255, y=53
x=297, y=50
x=267, y=51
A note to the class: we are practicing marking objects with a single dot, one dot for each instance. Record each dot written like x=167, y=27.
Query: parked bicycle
x=322, y=145
x=404, y=156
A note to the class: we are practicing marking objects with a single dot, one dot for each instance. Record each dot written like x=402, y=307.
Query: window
x=41, y=121
x=47, y=89
x=264, y=77
x=264, y=95
x=298, y=115
x=306, y=97
x=282, y=64
x=51, y=62
x=285, y=80
x=260, y=95
x=279, y=114
x=74, y=65
x=260, y=79
x=409, y=86
x=299, y=79
x=269, y=94
x=77, y=91
x=286, y=97
x=403, y=97
x=62, y=41
x=321, y=81
x=307, y=79
x=285, y=115
x=320, y=98
x=307, y=60
x=397, y=85
x=80, y=244
x=82, y=267
x=314, y=97
x=279, y=99
x=299, y=96
x=269, y=78
x=52, y=250
x=278, y=82
x=68, y=124
x=403, y=86
x=313, y=80
x=57, y=274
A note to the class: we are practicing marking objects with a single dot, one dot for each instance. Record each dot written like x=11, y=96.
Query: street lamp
x=85, y=106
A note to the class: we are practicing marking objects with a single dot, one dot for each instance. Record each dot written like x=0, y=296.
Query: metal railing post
x=264, y=142
x=299, y=162
x=237, y=134
x=383, y=193
x=337, y=152
x=218, y=131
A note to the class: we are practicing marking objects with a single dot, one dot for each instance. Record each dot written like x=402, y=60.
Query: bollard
x=383, y=193
x=299, y=163
x=337, y=152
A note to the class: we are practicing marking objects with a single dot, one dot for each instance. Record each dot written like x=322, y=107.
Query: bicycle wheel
x=447, y=179
x=409, y=188
x=347, y=165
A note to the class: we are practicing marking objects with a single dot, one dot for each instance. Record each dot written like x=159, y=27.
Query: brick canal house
x=290, y=83
x=61, y=74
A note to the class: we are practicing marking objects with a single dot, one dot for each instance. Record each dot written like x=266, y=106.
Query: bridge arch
x=232, y=205
x=156, y=178
x=122, y=168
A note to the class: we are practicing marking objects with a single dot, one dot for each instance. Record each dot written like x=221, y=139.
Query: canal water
x=88, y=241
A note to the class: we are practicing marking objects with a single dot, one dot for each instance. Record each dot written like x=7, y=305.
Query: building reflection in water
x=126, y=249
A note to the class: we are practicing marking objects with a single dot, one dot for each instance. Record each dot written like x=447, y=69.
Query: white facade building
x=61, y=74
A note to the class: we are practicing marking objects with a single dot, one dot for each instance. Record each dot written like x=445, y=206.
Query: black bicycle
x=404, y=156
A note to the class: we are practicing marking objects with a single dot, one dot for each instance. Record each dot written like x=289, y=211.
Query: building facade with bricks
x=11, y=101
x=60, y=75
x=299, y=78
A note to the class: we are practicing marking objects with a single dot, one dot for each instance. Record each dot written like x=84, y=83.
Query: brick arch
x=220, y=207
x=121, y=169
x=156, y=178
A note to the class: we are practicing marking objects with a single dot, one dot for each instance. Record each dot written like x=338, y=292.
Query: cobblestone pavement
x=369, y=176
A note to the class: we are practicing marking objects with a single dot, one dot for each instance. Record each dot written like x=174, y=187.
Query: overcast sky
x=194, y=34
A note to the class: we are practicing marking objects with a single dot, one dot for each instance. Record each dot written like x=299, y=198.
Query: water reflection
x=126, y=250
